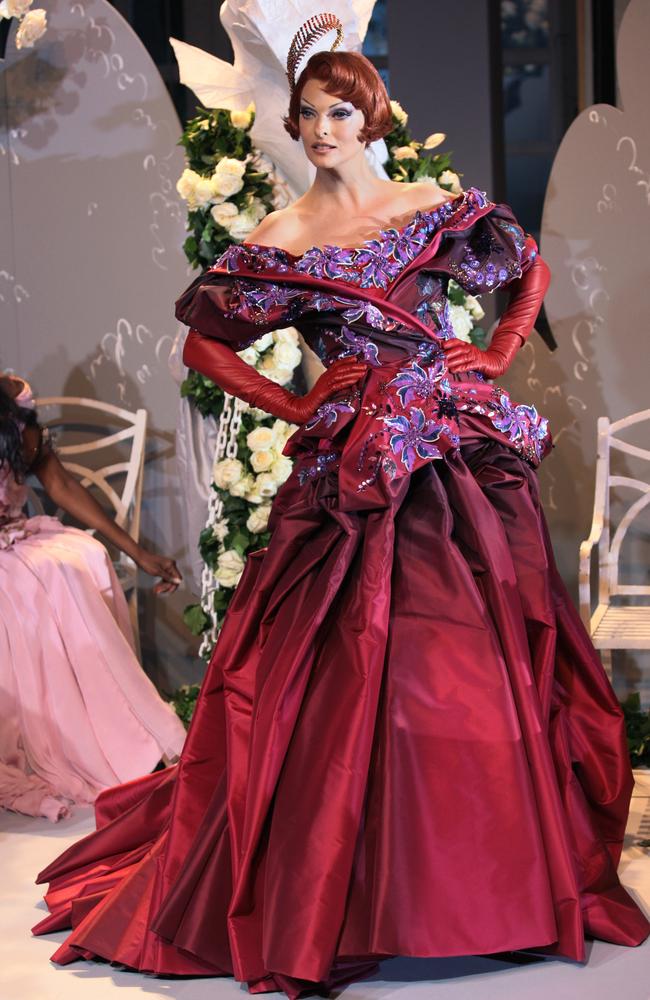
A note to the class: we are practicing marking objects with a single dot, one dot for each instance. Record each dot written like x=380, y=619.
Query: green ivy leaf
x=196, y=619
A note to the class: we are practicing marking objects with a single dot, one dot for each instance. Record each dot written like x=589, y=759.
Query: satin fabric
x=77, y=712
x=405, y=743
x=434, y=764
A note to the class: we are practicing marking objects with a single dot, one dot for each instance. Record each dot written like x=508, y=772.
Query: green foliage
x=184, y=702
x=207, y=139
x=637, y=724
x=204, y=394
x=196, y=619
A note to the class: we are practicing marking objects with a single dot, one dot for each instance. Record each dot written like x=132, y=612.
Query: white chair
x=125, y=497
x=614, y=625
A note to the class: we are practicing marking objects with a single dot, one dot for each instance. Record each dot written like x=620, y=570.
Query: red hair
x=352, y=77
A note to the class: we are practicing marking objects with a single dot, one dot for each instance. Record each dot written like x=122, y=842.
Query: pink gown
x=77, y=712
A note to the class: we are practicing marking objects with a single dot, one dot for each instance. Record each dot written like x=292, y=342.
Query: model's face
x=329, y=126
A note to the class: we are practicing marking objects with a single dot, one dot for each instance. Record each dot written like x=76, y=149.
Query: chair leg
x=135, y=624
x=606, y=660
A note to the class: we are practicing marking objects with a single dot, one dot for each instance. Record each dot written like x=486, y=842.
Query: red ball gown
x=405, y=743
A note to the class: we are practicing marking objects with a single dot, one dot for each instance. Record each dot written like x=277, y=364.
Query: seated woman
x=77, y=712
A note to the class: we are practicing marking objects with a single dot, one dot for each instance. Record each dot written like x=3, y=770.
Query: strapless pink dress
x=77, y=712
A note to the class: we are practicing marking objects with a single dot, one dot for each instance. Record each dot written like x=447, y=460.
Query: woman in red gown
x=405, y=743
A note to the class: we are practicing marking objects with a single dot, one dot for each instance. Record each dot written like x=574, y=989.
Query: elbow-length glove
x=221, y=364
x=514, y=328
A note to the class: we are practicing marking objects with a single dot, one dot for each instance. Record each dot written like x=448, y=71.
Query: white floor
x=27, y=845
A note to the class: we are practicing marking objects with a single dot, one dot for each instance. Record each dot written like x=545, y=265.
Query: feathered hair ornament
x=308, y=33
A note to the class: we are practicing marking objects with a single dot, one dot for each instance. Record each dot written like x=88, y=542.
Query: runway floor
x=27, y=845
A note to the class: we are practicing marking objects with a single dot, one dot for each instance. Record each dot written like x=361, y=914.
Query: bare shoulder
x=277, y=229
x=425, y=194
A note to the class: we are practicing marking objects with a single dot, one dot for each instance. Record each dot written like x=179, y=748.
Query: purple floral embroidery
x=373, y=316
x=260, y=297
x=527, y=431
x=329, y=412
x=328, y=262
x=376, y=266
x=415, y=382
x=414, y=437
x=325, y=461
x=354, y=343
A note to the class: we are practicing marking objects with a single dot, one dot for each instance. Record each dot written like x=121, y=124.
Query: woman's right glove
x=218, y=362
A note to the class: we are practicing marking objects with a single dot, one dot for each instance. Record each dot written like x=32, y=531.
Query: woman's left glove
x=515, y=326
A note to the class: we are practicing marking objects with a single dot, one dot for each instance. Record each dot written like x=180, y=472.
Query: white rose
x=220, y=529
x=242, y=486
x=262, y=461
x=476, y=310
x=259, y=519
x=266, y=485
x=405, y=153
x=263, y=342
x=281, y=469
x=261, y=439
x=227, y=472
x=434, y=140
x=228, y=166
x=249, y=355
x=194, y=189
x=282, y=376
x=257, y=209
x=286, y=356
x=240, y=119
x=281, y=431
x=288, y=336
x=254, y=495
x=14, y=8
x=226, y=184
x=224, y=213
x=451, y=179
x=242, y=225
x=258, y=414
x=461, y=322
x=32, y=26
x=186, y=183
x=399, y=112
x=230, y=567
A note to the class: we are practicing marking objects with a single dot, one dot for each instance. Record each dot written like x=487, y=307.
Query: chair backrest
x=612, y=538
x=126, y=497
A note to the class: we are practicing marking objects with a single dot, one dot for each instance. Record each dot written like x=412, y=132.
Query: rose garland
x=32, y=24
x=229, y=187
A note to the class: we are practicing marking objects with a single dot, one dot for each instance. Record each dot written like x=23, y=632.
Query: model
x=77, y=712
x=405, y=743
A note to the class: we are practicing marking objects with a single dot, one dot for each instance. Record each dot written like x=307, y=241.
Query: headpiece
x=308, y=33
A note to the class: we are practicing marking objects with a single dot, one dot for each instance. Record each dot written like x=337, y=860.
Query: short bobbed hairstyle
x=352, y=77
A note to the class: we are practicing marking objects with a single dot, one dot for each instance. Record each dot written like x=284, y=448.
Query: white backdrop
x=91, y=259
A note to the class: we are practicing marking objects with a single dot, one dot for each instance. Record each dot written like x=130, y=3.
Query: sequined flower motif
x=357, y=344
x=329, y=413
x=414, y=437
x=415, y=382
x=521, y=423
x=328, y=262
x=376, y=266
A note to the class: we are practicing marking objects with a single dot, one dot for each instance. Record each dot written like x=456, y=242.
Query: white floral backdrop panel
x=596, y=239
x=91, y=260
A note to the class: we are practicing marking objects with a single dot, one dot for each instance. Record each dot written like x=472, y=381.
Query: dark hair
x=13, y=417
x=352, y=77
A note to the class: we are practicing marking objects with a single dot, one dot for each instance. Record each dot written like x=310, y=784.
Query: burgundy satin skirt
x=405, y=744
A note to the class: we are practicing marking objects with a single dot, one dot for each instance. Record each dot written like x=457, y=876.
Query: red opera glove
x=513, y=330
x=220, y=363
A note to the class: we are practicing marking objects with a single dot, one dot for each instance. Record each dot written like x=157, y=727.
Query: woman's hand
x=161, y=566
x=463, y=357
x=220, y=363
x=341, y=375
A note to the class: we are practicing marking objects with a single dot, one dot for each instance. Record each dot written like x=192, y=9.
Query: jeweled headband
x=308, y=33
